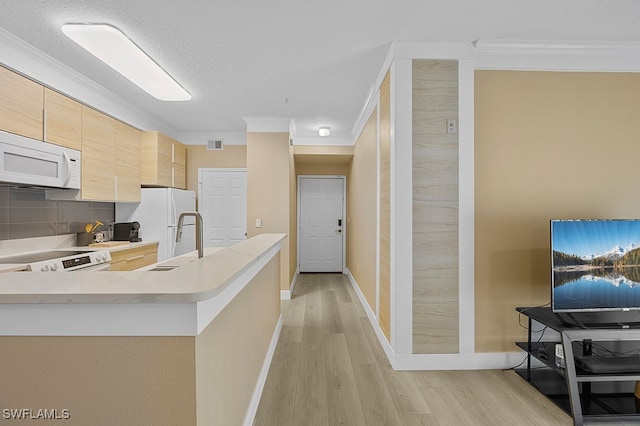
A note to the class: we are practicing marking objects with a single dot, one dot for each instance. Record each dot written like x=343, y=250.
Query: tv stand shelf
x=584, y=395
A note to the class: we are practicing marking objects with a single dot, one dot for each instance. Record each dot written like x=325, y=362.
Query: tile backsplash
x=25, y=213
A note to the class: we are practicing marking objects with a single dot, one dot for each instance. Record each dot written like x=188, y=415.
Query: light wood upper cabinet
x=98, y=156
x=179, y=165
x=110, y=158
x=21, y=103
x=62, y=120
x=127, y=156
x=163, y=161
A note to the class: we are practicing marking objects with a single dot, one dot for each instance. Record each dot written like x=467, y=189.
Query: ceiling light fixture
x=115, y=49
x=324, y=131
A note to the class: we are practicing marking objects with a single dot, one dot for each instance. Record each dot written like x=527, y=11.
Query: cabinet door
x=127, y=162
x=165, y=160
x=179, y=165
x=131, y=259
x=62, y=120
x=98, y=159
x=21, y=103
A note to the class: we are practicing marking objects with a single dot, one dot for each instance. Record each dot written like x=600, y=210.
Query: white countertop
x=179, y=302
x=194, y=280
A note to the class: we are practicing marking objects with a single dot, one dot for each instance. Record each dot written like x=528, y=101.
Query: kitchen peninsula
x=186, y=345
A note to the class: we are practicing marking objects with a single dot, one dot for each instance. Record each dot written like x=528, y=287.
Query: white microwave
x=33, y=163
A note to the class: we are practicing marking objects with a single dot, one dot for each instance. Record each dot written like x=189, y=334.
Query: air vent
x=216, y=145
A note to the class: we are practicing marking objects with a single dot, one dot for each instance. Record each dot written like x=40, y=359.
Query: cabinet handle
x=135, y=258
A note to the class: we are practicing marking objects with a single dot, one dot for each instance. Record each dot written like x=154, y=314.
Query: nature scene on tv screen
x=596, y=264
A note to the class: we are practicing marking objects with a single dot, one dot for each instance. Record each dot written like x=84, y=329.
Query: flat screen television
x=595, y=265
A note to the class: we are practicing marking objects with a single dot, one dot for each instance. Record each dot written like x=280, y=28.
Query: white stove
x=62, y=260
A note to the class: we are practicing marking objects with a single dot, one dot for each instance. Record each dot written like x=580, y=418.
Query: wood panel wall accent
x=435, y=207
x=385, y=207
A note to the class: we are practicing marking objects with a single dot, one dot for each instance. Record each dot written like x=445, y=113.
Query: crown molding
x=557, y=55
x=267, y=124
x=25, y=59
x=545, y=46
x=312, y=138
x=201, y=138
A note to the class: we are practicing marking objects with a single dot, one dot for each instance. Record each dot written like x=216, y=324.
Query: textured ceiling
x=311, y=61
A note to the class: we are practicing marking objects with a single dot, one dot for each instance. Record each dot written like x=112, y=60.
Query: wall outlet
x=258, y=223
x=451, y=127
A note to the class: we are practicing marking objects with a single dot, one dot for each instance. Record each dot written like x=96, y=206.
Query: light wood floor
x=329, y=369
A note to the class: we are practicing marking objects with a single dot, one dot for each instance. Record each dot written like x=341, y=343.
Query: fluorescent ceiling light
x=324, y=131
x=112, y=47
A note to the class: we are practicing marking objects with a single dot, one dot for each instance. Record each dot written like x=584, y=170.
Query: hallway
x=329, y=369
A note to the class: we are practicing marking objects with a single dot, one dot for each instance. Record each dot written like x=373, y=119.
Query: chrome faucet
x=198, y=230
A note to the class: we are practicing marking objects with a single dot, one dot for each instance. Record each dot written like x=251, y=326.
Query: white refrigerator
x=158, y=213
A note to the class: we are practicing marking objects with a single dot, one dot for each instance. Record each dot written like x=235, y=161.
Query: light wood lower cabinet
x=134, y=258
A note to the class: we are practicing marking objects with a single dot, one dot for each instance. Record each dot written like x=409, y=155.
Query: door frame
x=344, y=216
x=221, y=169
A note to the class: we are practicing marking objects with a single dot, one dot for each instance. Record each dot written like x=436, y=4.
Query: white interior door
x=321, y=224
x=222, y=202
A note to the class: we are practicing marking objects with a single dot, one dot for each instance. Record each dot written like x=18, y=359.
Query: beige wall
x=547, y=145
x=435, y=207
x=323, y=160
x=198, y=156
x=385, y=207
x=100, y=380
x=231, y=350
x=268, y=186
x=340, y=169
x=361, y=211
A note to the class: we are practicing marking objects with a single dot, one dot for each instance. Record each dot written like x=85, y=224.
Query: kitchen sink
x=164, y=268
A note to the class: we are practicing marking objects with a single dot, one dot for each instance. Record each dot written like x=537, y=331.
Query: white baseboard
x=464, y=361
x=286, y=294
x=372, y=318
x=250, y=415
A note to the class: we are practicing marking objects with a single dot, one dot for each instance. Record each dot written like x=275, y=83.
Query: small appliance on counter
x=126, y=231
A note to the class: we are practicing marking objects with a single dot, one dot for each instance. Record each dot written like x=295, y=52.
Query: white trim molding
x=408, y=362
x=466, y=210
x=557, y=55
x=401, y=197
x=288, y=294
x=201, y=138
x=250, y=414
x=267, y=124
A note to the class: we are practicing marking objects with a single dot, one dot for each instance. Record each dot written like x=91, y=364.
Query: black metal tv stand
x=606, y=396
